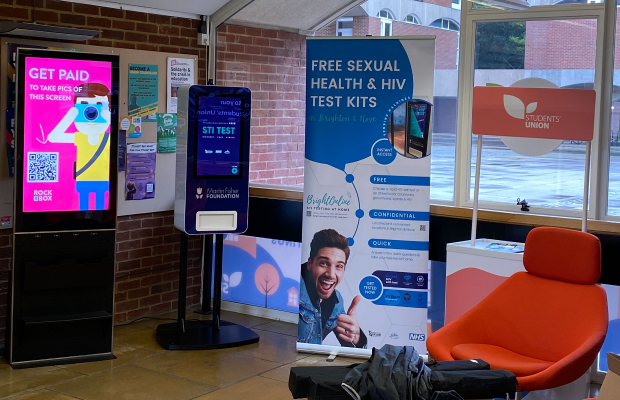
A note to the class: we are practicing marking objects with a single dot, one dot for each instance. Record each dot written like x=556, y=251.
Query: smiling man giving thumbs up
x=321, y=308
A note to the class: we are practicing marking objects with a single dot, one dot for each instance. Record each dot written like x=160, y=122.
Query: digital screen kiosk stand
x=211, y=197
x=61, y=299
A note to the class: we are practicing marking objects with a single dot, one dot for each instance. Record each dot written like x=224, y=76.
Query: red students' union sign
x=566, y=114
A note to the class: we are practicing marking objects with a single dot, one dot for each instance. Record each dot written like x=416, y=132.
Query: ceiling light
x=22, y=29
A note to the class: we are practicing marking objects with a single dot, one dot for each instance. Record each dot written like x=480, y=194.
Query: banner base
x=200, y=335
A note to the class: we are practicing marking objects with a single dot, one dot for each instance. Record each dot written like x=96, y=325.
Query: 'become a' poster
x=143, y=91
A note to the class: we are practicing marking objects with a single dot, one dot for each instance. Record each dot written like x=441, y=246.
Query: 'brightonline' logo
x=516, y=109
x=327, y=200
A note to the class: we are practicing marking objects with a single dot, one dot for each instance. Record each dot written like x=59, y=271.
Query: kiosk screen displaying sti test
x=418, y=120
x=219, y=137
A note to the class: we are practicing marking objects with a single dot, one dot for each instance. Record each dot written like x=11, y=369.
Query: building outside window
x=413, y=19
x=344, y=27
x=445, y=23
x=386, y=22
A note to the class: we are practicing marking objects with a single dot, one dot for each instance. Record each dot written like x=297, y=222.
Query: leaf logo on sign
x=515, y=107
x=230, y=282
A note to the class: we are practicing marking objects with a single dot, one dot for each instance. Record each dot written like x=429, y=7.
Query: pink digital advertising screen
x=66, y=135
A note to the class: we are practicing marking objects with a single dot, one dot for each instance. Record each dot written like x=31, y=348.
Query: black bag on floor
x=475, y=384
x=299, y=378
x=459, y=365
x=326, y=387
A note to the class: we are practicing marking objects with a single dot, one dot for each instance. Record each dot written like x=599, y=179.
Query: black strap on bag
x=459, y=365
x=104, y=142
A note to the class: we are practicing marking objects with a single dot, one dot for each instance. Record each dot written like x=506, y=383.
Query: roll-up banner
x=364, y=272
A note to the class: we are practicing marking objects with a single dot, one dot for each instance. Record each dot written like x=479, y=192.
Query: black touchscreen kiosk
x=418, y=128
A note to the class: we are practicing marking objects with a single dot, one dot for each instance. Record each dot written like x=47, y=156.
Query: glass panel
x=489, y=4
x=612, y=340
x=387, y=28
x=613, y=199
x=444, y=112
x=563, y=52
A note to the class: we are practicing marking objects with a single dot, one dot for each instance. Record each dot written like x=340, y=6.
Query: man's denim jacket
x=310, y=329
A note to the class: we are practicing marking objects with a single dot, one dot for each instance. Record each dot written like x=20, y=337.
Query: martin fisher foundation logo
x=517, y=109
x=534, y=112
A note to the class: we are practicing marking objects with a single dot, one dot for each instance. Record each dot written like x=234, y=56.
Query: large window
x=613, y=199
x=533, y=54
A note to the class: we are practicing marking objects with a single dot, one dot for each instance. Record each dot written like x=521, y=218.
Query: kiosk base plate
x=200, y=335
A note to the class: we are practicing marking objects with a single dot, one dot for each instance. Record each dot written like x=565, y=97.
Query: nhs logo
x=420, y=337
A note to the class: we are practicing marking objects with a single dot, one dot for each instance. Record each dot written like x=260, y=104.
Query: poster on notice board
x=140, y=171
x=143, y=91
x=364, y=272
x=166, y=133
x=180, y=73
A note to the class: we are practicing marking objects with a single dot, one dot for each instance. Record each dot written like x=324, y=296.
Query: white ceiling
x=196, y=7
x=292, y=14
x=200, y=7
x=286, y=14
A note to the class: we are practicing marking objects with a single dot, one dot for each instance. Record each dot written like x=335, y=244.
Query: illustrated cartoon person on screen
x=91, y=114
x=321, y=308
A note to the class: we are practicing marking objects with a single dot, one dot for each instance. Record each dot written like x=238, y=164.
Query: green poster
x=166, y=133
x=143, y=91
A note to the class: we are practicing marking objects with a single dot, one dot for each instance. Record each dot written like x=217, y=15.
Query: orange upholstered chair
x=545, y=325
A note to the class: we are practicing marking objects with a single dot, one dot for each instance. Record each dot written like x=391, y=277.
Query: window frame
x=448, y=21
x=386, y=22
x=416, y=19
x=469, y=18
x=344, y=19
x=390, y=14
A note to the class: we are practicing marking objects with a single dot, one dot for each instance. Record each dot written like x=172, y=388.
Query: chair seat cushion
x=500, y=358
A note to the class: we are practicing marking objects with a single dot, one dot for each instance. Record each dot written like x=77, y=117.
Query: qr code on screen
x=422, y=228
x=42, y=167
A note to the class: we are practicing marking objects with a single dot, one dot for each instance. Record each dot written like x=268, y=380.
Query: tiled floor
x=145, y=371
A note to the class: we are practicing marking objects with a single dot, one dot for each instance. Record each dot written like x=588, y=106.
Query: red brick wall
x=147, y=244
x=147, y=266
x=327, y=30
x=567, y=44
x=6, y=255
x=443, y=3
x=273, y=65
x=120, y=28
x=373, y=25
x=446, y=42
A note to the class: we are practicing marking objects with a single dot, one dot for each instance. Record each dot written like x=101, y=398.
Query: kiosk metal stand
x=207, y=276
x=203, y=335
